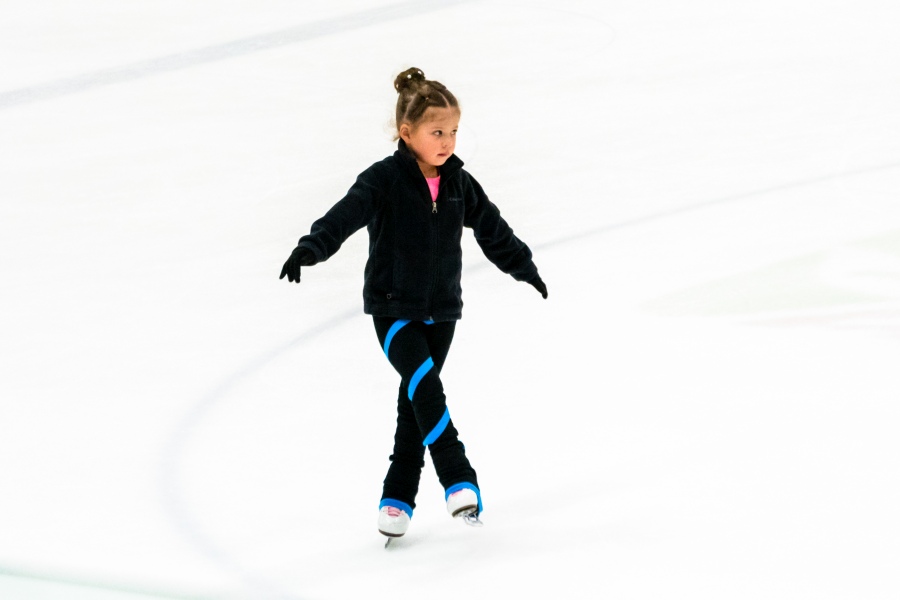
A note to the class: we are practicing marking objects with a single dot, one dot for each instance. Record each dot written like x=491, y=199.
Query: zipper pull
x=433, y=206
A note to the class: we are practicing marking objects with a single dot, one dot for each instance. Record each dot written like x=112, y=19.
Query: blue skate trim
x=418, y=375
x=396, y=504
x=397, y=326
x=462, y=486
x=428, y=322
x=438, y=429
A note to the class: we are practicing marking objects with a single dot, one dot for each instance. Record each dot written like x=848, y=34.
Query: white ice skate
x=463, y=503
x=392, y=522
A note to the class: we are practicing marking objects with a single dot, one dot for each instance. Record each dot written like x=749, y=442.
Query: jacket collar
x=447, y=170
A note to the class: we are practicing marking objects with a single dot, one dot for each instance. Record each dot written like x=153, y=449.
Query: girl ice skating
x=415, y=204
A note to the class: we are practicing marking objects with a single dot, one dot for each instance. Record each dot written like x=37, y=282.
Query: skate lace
x=393, y=511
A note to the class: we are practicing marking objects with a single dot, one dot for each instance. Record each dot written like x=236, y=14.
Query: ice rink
x=706, y=407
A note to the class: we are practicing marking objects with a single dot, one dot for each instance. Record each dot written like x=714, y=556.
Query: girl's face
x=433, y=139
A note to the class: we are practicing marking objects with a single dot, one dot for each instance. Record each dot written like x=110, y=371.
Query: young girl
x=415, y=204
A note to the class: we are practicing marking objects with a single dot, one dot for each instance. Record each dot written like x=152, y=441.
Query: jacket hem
x=403, y=312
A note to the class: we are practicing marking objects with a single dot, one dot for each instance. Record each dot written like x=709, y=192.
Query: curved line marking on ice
x=219, y=52
x=174, y=450
x=698, y=206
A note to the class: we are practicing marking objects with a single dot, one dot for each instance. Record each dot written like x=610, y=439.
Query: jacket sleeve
x=353, y=212
x=496, y=238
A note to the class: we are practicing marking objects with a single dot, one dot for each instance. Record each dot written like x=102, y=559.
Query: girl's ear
x=405, y=132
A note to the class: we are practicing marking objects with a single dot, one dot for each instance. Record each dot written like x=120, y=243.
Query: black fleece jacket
x=415, y=257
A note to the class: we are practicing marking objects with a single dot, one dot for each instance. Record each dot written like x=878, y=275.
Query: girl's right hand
x=301, y=256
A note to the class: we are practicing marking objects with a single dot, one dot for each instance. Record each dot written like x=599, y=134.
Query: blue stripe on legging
x=418, y=375
x=397, y=326
x=438, y=429
x=396, y=504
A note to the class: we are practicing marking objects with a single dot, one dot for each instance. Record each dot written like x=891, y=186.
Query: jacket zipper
x=434, y=262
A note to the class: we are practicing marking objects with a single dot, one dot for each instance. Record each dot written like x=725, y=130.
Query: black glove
x=539, y=285
x=301, y=256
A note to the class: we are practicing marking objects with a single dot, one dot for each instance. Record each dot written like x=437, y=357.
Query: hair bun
x=407, y=77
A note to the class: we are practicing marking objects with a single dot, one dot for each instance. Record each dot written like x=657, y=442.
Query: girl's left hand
x=539, y=285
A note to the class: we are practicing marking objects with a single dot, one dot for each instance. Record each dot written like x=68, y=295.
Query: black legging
x=417, y=350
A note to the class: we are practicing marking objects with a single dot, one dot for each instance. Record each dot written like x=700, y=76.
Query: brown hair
x=417, y=95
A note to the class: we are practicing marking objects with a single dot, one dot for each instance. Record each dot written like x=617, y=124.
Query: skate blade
x=469, y=516
x=465, y=511
x=472, y=520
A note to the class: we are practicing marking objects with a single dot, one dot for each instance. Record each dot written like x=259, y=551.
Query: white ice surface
x=706, y=407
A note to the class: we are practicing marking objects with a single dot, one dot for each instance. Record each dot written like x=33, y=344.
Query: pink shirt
x=433, y=184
